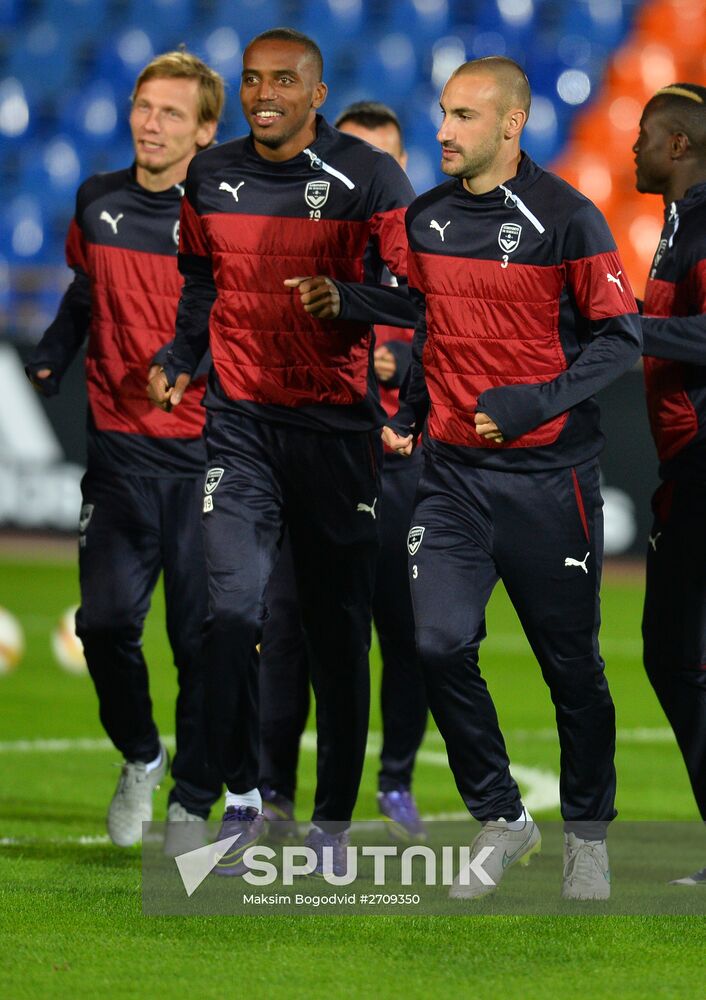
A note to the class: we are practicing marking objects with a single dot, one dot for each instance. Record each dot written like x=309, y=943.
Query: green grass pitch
x=70, y=911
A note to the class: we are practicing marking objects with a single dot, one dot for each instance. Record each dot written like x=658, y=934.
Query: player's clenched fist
x=319, y=295
x=162, y=394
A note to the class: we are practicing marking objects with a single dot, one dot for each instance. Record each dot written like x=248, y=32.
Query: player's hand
x=319, y=295
x=402, y=445
x=37, y=378
x=158, y=389
x=384, y=363
x=161, y=393
x=488, y=429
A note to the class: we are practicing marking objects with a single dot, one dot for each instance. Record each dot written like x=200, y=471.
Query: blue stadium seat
x=23, y=230
x=78, y=20
x=604, y=22
x=94, y=116
x=221, y=47
x=42, y=59
x=122, y=56
x=11, y=12
x=174, y=17
x=423, y=19
x=504, y=27
x=336, y=25
x=17, y=116
x=249, y=17
x=51, y=170
x=541, y=136
x=390, y=66
x=446, y=55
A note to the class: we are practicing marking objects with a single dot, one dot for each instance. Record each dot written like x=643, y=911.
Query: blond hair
x=183, y=65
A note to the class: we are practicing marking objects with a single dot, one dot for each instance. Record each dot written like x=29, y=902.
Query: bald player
x=526, y=314
x=670, y=160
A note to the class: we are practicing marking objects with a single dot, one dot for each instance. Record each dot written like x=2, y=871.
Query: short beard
x=275, y=141
x=271, y=141
x=151, y=168
x=645, y=185
x=472, y=166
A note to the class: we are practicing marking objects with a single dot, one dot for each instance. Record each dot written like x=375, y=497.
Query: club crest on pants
x=213, y=478
x=85, y=516
x=414, y=539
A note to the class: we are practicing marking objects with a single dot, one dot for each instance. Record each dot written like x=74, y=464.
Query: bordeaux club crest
x=509, y=236
x=213, y=478
x=414, y=539
x=316, y=193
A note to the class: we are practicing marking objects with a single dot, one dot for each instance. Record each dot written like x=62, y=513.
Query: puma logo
x=576, y=562
x=653, y=541
x=112, y=222
x=440, y=229
x=615, y=279
x=363, y=508
x=223, y=186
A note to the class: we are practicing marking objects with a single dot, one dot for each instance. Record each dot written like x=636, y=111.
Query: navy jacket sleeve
x=614, y=343
x=197, y=297
x=676, y=338
x=64, y=337
x=382, y=304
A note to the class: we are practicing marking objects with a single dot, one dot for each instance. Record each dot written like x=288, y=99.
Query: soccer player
x=141, y=491
x=284, y=675
x=292, y=430
x=670, y=159
x=528, y=314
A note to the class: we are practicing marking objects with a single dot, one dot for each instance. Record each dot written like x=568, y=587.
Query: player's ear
x=679, y=145
x=205, y=134
x=320, y=92
x=515, y=122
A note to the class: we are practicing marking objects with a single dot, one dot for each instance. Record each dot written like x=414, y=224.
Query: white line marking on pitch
x=83, y=841
x=540, y=787
x=62, y=745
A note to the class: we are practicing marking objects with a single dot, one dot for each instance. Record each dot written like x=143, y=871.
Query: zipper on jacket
x=318, y=164
x=512, y=199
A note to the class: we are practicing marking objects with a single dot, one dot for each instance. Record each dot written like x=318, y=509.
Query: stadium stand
x=67, y=66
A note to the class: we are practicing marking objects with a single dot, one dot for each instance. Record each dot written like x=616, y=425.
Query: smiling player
x=292, y=429
x=145, y=468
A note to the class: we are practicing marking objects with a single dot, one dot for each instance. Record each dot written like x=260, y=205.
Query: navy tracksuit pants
x=132, y=528
x=674, y=620
x=284, y=680
x=284, y=667
x=403, y=701
x=542, y=534
x=324, y=487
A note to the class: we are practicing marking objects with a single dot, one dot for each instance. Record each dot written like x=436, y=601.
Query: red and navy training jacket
x=674, y=334
x=527, y=313
x=122, y=247
x=247, y=224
